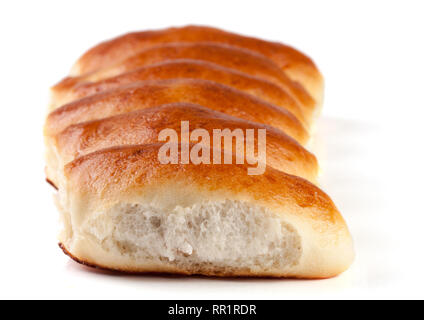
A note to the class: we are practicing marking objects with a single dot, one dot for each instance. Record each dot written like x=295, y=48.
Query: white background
x=369, y=138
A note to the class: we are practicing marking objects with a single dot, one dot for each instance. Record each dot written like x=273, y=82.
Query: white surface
x=369, y=139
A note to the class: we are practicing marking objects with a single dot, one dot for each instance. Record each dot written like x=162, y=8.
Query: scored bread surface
x=295, y=64
x=73, y=88
x=144, y=126
x=140, y=95
x=231, y=57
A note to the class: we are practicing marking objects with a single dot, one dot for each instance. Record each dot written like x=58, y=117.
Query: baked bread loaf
x=124, y=208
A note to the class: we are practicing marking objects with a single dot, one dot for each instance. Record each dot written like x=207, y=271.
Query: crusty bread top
x=144, y=126
x=297, y=65
x=153, y=93
x=73, y=88
x=231, y=57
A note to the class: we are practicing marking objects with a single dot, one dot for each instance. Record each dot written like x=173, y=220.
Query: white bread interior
x=221, y=237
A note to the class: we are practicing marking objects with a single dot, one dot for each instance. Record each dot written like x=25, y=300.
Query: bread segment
x=124, y=210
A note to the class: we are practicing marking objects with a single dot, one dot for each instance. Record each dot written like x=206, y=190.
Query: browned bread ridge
x=144, y=127
x=141, y=95
x=71, y=88
x=295, y=64
x=230, y=57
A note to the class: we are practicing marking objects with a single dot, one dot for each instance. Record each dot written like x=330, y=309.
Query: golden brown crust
x=153, y=93
x=144, y=126
x=224, y=55
x=298, y=66
x=71, y=89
